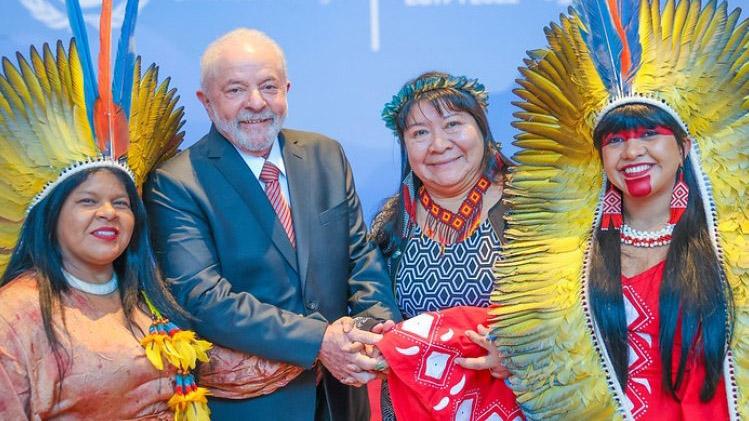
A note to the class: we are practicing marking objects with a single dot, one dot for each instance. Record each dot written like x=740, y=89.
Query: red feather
x=408, y=202
x=110, y=122
x=617, y=20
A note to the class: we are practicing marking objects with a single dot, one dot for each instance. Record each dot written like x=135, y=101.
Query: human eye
x=86, y=200
x=453, y=123
x=121, y=203
x=649, y=133
x=233, y=90
x=270, y=87
x=613, y=140
x=418, y=133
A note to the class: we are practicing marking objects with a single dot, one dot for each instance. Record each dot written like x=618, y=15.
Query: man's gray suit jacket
x=229, y=261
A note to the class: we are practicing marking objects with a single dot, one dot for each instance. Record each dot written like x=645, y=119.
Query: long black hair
x=38, y=251
x=387, y=226
x=693, y=296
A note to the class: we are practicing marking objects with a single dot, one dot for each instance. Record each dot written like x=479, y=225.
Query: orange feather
x=110, y=122
x=625, y=57
x=103, y=107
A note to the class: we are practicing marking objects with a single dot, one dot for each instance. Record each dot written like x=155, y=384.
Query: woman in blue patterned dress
x=441, y=232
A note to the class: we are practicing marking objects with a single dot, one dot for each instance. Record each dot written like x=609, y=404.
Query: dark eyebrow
x=410, y=124
x=93, y=193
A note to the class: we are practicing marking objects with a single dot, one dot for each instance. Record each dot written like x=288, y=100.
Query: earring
x=500, y=163
x=409, y=201
x=612, y=209
x=679, y=199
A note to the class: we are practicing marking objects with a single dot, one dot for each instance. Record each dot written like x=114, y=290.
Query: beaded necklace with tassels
x=448, y=227
x=182, y=350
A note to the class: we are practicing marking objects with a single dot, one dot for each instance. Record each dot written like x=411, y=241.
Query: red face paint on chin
x=639, y=187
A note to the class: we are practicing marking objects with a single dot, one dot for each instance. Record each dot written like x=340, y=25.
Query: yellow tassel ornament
x=181, y=349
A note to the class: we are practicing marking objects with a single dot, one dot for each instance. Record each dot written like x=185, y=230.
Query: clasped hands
x=349, y=353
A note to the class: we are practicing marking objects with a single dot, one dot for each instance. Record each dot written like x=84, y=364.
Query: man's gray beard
x=230, y=129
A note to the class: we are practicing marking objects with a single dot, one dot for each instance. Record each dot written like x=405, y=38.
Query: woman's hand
x=492, y=361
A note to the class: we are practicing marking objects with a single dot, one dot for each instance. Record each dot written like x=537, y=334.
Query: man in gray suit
x=260, y=232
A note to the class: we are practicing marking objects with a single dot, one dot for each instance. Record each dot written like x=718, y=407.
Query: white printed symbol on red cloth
x=419, y=325
x=436, y=364
x=465, y=411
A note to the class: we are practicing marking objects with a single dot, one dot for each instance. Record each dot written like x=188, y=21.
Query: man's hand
x=343, y=353
x=383, y=327
x=492, y=361
x=372, y=351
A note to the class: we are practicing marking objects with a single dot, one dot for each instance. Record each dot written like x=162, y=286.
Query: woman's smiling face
x=95, y=224
x=642, y=161
x=445, y=148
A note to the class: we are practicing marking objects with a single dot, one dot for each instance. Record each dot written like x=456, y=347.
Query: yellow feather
x=540, y=324
x=155, y=122
x=697, y=59
x=41, y=132
x=38, y=64
x=667, y=19
x=31, y=79
x=679, y=19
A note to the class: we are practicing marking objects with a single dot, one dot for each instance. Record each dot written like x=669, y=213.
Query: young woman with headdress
x=625, y=269
x=82, y=335
x=441, y=234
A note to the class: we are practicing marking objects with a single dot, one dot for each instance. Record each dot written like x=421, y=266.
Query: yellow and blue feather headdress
x=57, y=118
x=689, y=59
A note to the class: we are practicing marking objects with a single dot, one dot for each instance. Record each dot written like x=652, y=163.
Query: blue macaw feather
x=122, y=82
x=78, y=26
x=629, y=11
x=603, y=41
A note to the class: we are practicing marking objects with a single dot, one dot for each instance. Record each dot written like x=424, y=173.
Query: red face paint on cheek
x=639, y=187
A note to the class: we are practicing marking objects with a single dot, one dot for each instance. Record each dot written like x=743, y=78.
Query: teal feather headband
x=411, y=90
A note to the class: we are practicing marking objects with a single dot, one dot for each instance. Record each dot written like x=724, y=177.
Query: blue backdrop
x=346, y=58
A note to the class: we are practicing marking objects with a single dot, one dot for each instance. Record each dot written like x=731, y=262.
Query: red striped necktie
x=269, y=176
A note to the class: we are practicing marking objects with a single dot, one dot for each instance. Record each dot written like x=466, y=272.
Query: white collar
x=256, y=163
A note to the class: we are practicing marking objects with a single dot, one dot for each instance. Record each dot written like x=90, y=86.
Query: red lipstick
x=106, y=233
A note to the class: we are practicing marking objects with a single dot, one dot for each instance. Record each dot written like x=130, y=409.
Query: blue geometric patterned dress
x=432, y=277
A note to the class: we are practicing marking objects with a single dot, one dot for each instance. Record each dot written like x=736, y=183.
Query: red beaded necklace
x=447, y=227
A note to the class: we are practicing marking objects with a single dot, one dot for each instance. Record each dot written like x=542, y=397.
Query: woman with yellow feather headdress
x=80, y=292
x=624, y=290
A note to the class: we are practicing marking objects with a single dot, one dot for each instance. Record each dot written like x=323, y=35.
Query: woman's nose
x=633, y=148
x=106, y=210
x=440, y=143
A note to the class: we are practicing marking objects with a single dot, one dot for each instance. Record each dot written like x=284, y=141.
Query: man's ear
x=203, y=98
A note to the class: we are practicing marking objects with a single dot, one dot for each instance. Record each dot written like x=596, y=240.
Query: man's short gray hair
x=214, y=50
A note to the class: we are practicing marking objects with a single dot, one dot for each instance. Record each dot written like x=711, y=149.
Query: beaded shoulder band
x=413, y=89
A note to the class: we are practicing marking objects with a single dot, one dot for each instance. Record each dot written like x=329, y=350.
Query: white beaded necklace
x=91, y=288
x=648, y=239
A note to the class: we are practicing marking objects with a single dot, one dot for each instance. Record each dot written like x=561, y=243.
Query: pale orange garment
x=109, y=377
